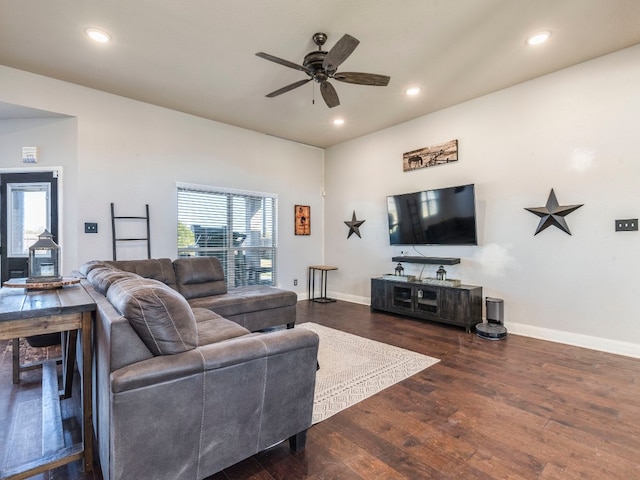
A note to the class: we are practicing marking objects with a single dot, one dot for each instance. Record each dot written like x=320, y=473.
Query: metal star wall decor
x=553, y=214
x=354, y=225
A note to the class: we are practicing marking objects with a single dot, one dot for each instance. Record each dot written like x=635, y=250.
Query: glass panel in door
x=29, y=214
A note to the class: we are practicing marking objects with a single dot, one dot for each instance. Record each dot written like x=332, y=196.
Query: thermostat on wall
x=29, y=154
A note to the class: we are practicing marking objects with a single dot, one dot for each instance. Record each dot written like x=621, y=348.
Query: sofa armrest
x=228, y=353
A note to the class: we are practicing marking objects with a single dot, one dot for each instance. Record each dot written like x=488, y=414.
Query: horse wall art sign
x=430, y=156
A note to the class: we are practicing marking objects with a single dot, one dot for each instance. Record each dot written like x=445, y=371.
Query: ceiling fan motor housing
x=313, y=62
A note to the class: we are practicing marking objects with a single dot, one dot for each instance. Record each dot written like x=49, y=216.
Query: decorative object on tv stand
x=430, y=156
x=441, y=274
x=354, y=225
x=302, y=220
x=399, y=269
x=44, y=260
x=553, y=214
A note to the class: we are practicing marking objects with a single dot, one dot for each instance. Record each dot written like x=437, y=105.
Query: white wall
x=113, y=149
x=575, y=131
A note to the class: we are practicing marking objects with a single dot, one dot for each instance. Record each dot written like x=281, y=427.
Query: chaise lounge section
x=182, y=392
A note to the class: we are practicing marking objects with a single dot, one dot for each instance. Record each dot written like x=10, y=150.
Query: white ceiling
x=198, y=56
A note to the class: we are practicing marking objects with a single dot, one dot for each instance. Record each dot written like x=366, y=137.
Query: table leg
x=69, y=339
x=15, y=354
x=312, y=283
x=87, y=394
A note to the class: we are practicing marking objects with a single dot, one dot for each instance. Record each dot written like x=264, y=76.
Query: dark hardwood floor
x=513, y=409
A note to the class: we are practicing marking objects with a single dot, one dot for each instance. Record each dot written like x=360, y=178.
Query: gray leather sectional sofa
x=185, y=385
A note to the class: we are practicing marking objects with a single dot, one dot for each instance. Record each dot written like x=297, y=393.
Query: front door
x=28, y=205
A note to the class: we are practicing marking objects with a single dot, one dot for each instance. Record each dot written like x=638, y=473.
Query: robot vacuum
x=493, y=328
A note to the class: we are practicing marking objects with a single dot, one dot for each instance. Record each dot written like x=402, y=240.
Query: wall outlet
x=90, y=228
x=629, y=225
x=295, y=282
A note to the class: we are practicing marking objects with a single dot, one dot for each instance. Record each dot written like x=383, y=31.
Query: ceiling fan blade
x=340, y=51
x=329, y=95
x=282, y=61
x=363, y=78
x=282, y=90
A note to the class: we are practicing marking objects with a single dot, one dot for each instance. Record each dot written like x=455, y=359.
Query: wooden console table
x=24, y=313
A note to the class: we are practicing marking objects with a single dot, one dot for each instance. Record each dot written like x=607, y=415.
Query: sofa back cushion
x=159, y=269
x=199, y=277
x=103, y=277
x=161, y=317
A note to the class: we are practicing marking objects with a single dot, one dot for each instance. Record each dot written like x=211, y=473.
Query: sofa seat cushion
x=248, y=299
x=213, y=328
x=161, y=317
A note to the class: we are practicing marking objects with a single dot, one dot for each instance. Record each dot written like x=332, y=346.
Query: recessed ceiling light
x=539, y=37
x=338, y=121
x=98, y=35
x=412, y=91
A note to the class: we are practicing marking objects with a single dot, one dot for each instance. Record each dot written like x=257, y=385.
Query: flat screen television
x=444, y=216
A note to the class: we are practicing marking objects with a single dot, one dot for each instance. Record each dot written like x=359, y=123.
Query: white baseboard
x=576, y=339
x=338, y=296
x=352, y=298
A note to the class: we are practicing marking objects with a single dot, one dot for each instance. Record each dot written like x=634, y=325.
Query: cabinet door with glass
x=428, y=300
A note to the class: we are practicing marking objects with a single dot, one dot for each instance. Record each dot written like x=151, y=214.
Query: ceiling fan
x=322, y=66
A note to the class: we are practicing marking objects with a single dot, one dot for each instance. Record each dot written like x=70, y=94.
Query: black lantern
x=441, y=274
x=44, y=260
x=399, y=269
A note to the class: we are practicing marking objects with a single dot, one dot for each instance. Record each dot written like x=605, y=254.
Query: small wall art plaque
x=302, y=220
x=430, y=156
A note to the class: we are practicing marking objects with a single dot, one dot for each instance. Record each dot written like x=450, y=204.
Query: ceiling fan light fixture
x=98, y=35
x=538, y=37
x=412, y=91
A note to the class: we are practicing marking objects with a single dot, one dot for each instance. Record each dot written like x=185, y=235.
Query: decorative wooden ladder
x=114, y=220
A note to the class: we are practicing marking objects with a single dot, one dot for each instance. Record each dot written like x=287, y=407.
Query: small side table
x=26, y=312
x=323, y=283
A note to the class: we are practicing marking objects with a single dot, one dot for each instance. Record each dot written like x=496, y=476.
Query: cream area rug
x=353, y=368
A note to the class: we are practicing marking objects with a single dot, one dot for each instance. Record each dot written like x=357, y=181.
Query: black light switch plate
x=90, y=228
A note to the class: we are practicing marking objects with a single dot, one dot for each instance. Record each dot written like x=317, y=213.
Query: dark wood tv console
x=460, y=305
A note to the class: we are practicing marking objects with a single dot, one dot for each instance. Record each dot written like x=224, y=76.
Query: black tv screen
x=444, y=216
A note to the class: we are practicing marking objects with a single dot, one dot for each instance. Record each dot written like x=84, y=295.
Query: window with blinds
x=238, y=227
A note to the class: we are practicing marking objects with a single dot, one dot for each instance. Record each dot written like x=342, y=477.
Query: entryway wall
x=56, y=139
x=133, y=153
